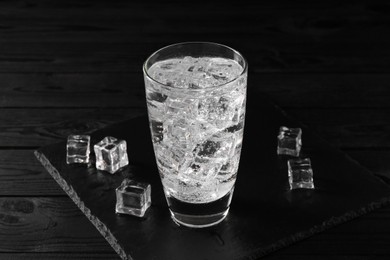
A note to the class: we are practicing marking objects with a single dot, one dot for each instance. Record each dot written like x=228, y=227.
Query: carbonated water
x=196, y=111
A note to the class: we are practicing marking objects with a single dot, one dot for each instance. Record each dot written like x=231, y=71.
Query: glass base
x=194, y=221
x=199, y=215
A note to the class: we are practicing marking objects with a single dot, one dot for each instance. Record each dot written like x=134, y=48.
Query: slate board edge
x=104, y=231
x=331, y=223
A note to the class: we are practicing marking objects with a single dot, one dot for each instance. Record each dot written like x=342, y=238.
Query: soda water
x=196, y=112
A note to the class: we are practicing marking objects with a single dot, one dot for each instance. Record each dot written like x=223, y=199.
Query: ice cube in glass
x=111, y=154
x=289, y=141
x=77, y=149
x=133, y=198
x=300, y=173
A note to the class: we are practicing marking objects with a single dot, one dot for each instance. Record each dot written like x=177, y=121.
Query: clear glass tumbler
x=196, y=96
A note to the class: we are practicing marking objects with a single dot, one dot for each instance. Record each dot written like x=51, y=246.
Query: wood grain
x=47, y=225
x=60, y=256
x=321, y=21
x=91, y=256
x=38, y=127
x=344, y=128
x=54, y=57
x=72, y=90
x=302, y=38
x=318, y=90
x=323, y=90
x=22, y=175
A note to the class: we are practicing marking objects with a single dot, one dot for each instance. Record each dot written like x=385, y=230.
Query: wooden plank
x=59, y=256
x=290, y=90
x=56, y=225
x=22, y=175
x=323, y=90
x=92, y=37
x=73, y=57
x=91, y=7
x=130, y=10
x=123, y=24
x=330, y=17
x=121, y=56
x=39, y=224
x=92, y=256
x=38, y=127
x=72, y=90
x=344, y=128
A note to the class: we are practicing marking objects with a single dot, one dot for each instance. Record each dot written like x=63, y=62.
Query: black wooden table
x=69, y=66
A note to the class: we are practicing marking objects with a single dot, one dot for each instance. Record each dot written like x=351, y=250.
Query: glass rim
x=245, y=68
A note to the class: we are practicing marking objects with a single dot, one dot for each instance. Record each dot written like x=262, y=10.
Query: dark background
x=69, y=66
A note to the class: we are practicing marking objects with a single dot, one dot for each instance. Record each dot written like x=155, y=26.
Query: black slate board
x=265, y=215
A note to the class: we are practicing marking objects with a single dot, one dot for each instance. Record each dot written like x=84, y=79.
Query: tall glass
x=196, y=96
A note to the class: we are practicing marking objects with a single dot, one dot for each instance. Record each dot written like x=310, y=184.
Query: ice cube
x=169, y=158
x=238, y=103
x=155, y=104
x=77, y=149
x=213, y=108
x=289, y=141
x=155, y=98
x=300, y=173
x=154, y=95
x=199, y=171
x=208, y=157
x=157, y=129
x=111, y=154
x=201, y=131
x=133, y=198
x=218, y=148
x=229, y=168
x=195, y=191
x=177, y=132
x=186, y=186
x=221, y=111
x=186, y=133
x=185, y=107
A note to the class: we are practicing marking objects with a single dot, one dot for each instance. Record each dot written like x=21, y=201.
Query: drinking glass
x=196, y=96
